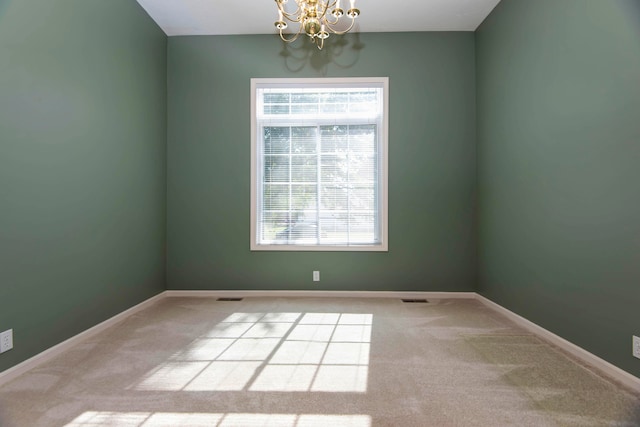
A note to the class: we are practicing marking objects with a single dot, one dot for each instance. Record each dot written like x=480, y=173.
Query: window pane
x=332, y=103
x=304, y=168
x=304, y=109
x=368, y=97
x=362, y=227
x=276, y=140
x=362, y=168
x=334, y=97
x=276, y=98
x=333, y=139
x=303, y=140
x=334, y=197
x=362, y=198
x=334, y=227
x=333, y=108
x=300, y=233
x=362, y=138
x=305, y=98
x=304, y=198
x=276, y=109
x=334, y=169
x=275, y=197
x=362, y=102
x=276, y=168
x=273, y=223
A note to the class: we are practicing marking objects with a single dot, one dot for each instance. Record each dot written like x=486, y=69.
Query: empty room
x=319, y=213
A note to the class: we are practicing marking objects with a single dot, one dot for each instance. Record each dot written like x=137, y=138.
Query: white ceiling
x=216, y=17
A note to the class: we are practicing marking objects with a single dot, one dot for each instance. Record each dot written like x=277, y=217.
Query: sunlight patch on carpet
x=172, y=419
x=292, y=352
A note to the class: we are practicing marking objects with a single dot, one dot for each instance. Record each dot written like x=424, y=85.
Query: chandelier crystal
x=316, y=18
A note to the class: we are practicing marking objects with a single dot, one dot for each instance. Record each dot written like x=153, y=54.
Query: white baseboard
x=590, y=359
x=320, y=294
x=56, y=350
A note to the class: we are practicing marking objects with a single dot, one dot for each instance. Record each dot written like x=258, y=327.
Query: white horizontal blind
x=319, y=165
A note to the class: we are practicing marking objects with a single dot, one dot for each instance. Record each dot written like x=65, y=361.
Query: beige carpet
x=315, y=362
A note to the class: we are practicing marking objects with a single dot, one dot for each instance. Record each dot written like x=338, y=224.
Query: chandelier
x=317, y=18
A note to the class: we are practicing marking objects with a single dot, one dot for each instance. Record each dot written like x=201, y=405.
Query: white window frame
x=383, y=210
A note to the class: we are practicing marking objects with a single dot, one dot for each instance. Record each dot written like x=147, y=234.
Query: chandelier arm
x=293, y=38
x=289, y=15
x=327, y=21
x=322, y=16
x=330, y=5
x=334, y=31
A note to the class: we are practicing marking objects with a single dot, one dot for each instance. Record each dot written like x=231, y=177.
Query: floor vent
x=413, y=301
x=229, y=299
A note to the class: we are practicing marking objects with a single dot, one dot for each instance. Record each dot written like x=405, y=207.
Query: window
x=319, y=164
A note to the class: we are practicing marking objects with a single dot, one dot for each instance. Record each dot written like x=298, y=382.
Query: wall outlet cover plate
x=6, y=340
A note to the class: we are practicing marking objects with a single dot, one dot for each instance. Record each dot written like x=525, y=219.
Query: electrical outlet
x=316, y=276
x=636, y=346
x=6, y=340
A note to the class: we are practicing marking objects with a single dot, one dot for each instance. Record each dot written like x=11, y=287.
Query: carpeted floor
x=315, y=362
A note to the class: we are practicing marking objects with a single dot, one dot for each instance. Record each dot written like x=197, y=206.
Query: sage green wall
x=559, y=168
x=82, y=166
x=432, y=168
